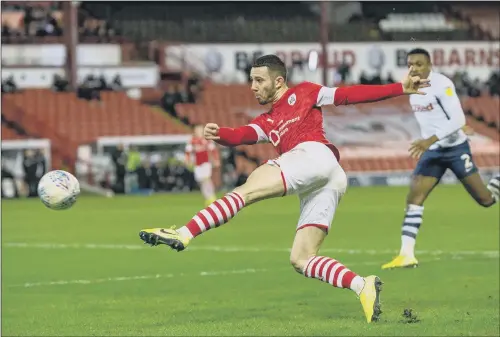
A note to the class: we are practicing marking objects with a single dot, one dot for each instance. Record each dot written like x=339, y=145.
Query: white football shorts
x=203, y=172
x=312, y=171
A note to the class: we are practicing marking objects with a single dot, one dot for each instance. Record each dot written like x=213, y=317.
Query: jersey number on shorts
x=467, y=162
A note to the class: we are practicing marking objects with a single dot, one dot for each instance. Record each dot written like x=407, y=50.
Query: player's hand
x=418, y=147
x=412, y=84
x=211, y=131
x=468, y=130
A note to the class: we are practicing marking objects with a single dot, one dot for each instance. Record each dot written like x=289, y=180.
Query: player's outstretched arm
x=243, y=135
x=372, y=93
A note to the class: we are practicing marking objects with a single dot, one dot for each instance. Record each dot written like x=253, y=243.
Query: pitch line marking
x=162, y=276
x=223, y=249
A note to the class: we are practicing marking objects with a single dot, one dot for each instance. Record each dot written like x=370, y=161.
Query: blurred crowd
x=43, y=20
x=140, y=172
x=34, y=166
x=181, y=93
x=35, y=21
x=90, y=89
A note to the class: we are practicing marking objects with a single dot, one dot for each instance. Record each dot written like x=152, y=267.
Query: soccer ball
x=58, y=189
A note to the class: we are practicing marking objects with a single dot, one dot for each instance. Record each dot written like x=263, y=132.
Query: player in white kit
x=444, y=146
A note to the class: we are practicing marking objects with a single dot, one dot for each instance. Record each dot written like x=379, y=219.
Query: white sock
x=184, y=231
x=207, y=189
x=357, y=284
x=411, y=225
x=407, y=246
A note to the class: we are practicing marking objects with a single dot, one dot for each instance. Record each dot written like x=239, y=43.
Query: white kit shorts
x=312, y=171
x=203, y=172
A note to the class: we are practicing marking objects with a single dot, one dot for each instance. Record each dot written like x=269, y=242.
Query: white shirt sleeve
x=448, y=100
x=326, y=96
x=262, y=137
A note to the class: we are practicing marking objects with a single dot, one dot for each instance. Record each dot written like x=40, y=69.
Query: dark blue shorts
x=458, y=159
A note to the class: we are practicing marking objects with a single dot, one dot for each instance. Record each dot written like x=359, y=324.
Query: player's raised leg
x=484, y=195
x=265, y=182
x=462, y=164
x=317, y=211
x=426, y=176
x=494, y=187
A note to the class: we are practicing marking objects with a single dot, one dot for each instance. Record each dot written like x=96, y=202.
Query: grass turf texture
x=111, y=288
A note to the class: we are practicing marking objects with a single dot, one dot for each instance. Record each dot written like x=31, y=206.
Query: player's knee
x=246, y=192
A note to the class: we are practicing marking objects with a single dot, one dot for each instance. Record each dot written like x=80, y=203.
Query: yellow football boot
x=370, y=298
x=401, y=261
x=210, y=201
x=169, y=237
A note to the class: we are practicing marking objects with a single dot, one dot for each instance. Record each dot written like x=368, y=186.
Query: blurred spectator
x=133, y=159
x=9, y=86
x=60, y=84
x=183, y=97
x=5, y=30
x=90, y=89
x=194, y=88
x=363, y=79
x=169, y=100
x=102, y=83
x=8, y=183
x=116, y=84
x=494, y=84
x=390, y=79
x=144, y=175
x=119, y=158
x=34, y=168
x=344, y=71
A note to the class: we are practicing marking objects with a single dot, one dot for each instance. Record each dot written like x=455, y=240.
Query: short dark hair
x=420, y=51
x=273, y=63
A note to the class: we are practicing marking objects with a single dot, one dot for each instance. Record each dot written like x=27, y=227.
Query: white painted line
x=201, y=274
x=223, y=249
x=132, y=278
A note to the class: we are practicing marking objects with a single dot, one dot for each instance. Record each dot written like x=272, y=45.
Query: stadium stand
x=69, y=121
x=485, y=16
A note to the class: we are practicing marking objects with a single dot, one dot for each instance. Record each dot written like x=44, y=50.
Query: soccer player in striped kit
x=308, y=165
x=444, y=146
x=203, y=154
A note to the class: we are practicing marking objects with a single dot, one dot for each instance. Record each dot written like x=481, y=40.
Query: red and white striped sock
x=332, y=271
x=218, y=213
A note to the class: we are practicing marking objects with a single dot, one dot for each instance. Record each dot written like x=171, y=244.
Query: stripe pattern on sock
x=330, y=271
x=218, y=213
x=412, y=221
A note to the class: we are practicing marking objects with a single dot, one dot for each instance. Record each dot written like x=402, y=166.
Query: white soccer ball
x=58, y=189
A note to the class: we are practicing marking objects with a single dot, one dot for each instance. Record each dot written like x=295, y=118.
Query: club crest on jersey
x=292, y=99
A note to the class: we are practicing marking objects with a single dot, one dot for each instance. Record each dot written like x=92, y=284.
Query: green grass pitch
x=84, y=272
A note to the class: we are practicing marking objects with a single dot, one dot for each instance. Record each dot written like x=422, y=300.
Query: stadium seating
x=11, y=134
x=68, y=121
x=416, y=22
x=486, y=108
x=82, y=122
x=486, y=16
